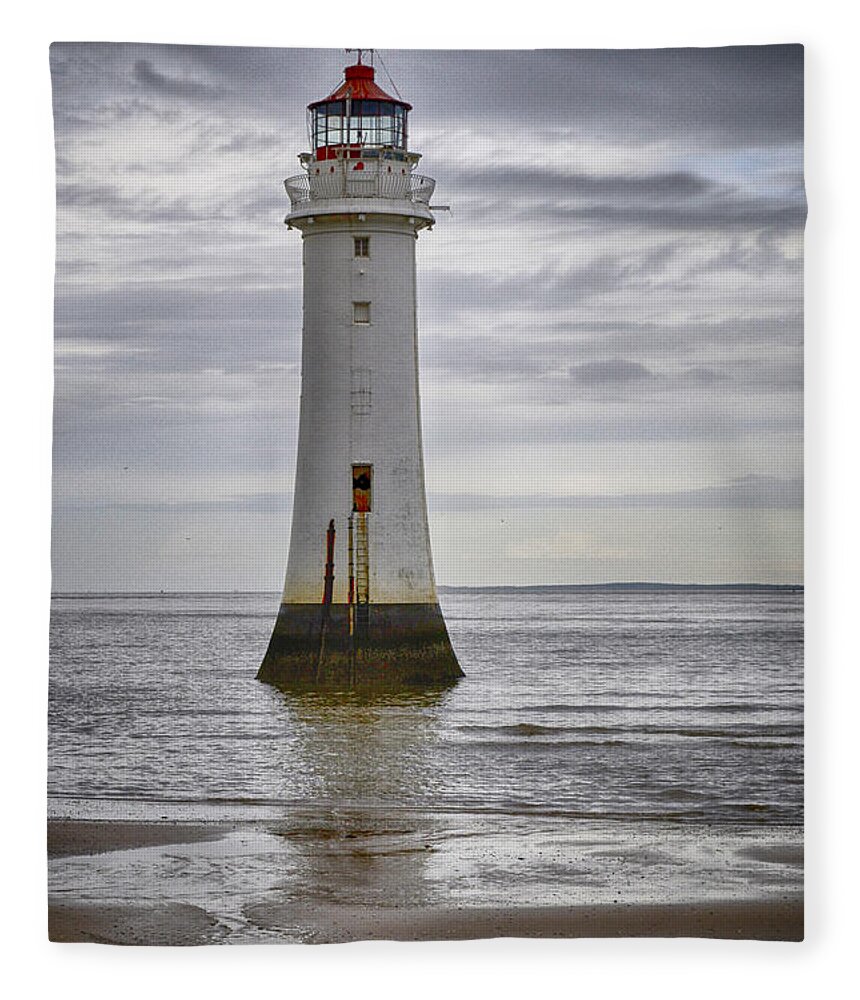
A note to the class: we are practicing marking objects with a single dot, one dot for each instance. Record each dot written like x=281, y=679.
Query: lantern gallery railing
x=351, y=183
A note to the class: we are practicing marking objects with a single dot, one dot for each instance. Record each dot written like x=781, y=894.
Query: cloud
x=614, y=370
x=551, y=183
x=745, y=492
x=246, y=142
x=728, y=215
x=151, y=79
x=109, y=200
x=736, y=95
x=704, y=376
x=616, y=293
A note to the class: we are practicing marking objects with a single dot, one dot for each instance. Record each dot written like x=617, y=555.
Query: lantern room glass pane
x=334, y=131
x=369, y=123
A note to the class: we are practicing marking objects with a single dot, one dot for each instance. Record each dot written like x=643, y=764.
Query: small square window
x=362, y=246
x=361, y=312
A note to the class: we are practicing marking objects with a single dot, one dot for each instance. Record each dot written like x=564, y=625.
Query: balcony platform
x=338, y=188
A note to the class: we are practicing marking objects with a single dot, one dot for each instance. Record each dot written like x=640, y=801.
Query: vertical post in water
x=350, y=600
x=328, y=591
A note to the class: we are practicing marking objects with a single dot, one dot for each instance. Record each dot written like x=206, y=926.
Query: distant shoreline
x=447, y=589
x=790, y=587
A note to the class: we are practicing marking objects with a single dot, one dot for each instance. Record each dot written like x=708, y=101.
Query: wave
x=742, y=813
x=748, y=731
x=720, y=708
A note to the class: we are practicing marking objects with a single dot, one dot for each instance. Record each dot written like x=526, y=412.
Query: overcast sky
x=610, y=319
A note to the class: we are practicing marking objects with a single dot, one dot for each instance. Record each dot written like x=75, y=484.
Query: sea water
x=606, y=745
x=616, y=704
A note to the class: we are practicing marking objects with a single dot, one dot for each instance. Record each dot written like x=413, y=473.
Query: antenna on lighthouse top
x=360, y=53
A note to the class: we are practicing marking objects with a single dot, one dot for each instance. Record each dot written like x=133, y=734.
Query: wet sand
x=69, y=837
x=177, y=924
x=311, y=915
x=170, y=924
x=763, y=921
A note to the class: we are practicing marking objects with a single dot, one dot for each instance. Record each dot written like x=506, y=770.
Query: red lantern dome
x=358, y=116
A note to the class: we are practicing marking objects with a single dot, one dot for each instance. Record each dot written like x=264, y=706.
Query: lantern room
x=358, y=119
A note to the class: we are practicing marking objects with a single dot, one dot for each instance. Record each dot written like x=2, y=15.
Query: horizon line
x=608, y=585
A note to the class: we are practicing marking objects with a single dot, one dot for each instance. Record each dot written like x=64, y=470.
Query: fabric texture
x=428, y=567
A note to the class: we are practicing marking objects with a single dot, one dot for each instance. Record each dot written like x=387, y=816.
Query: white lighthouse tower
x=359, y=605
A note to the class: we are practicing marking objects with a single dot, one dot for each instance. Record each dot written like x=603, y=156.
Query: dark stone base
x=399, y=645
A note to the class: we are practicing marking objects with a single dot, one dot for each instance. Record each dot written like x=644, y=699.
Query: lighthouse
x=359, y=606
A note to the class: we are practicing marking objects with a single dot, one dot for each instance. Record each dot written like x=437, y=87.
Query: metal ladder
x=362, y=573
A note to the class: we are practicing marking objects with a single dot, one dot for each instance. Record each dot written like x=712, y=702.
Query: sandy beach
x=334, y=905
x=68, y=837
x=174, y=924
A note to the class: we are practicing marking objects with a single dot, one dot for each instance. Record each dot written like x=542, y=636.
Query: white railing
x=306, y=188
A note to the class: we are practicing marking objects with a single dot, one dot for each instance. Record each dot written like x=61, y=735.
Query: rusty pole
x=328, y=591
x=351, y=602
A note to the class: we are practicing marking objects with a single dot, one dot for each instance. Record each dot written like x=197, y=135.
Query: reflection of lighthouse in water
x=359, y=603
